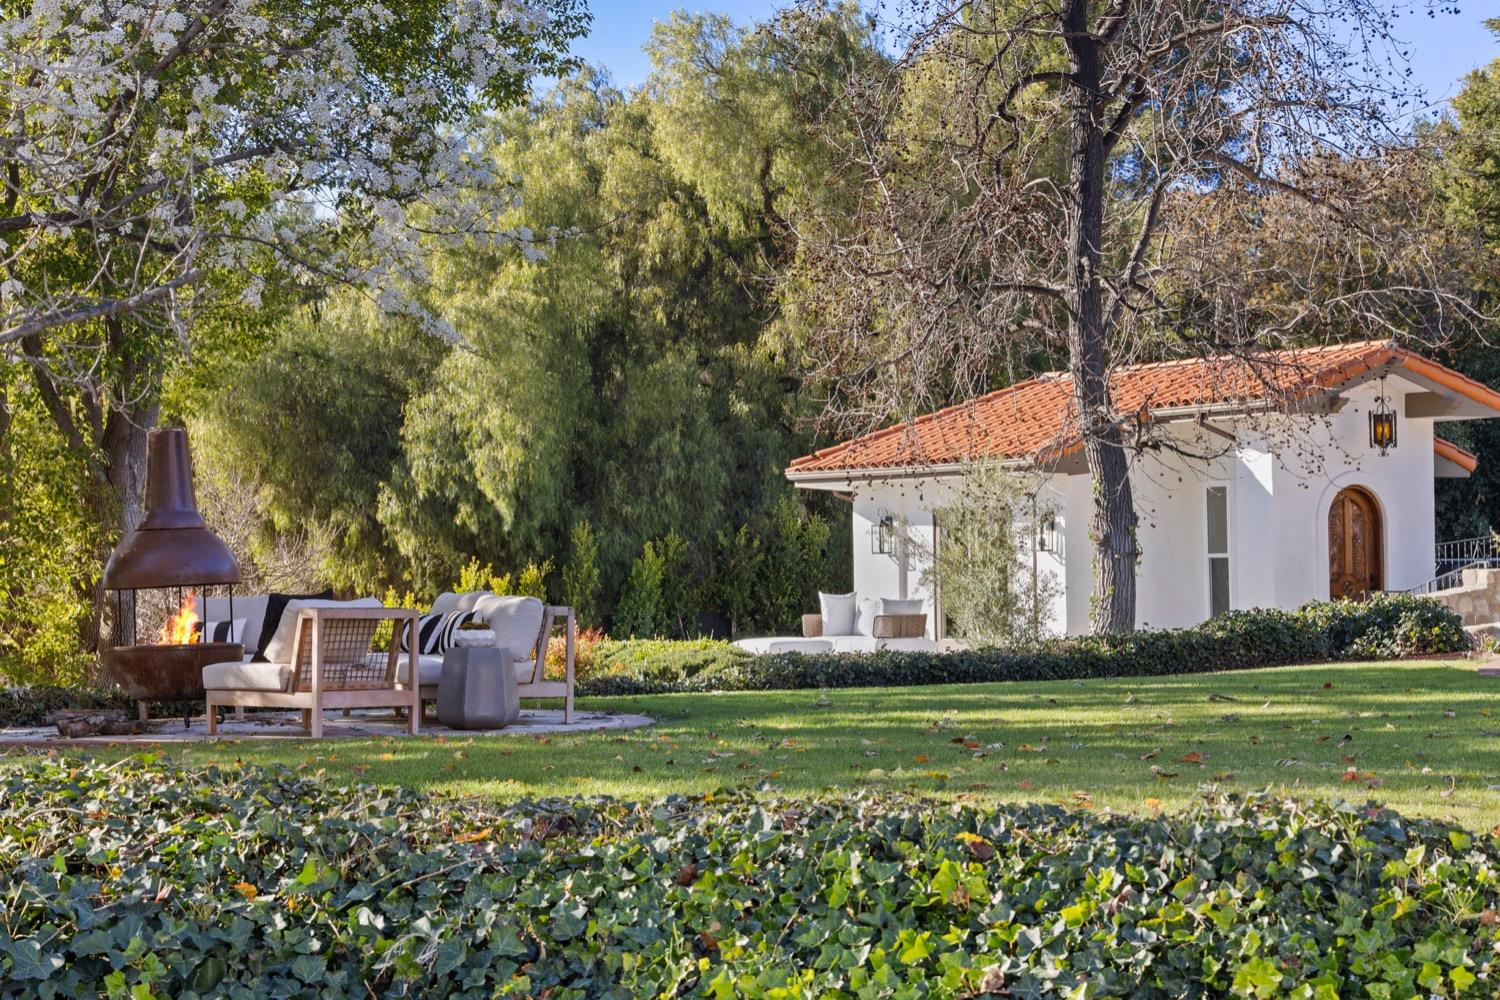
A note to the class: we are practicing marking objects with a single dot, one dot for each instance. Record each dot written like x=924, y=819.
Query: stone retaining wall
x=1477, y=599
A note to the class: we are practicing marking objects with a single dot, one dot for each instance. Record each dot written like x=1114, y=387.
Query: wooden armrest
x=812, y=626
x=899, y=626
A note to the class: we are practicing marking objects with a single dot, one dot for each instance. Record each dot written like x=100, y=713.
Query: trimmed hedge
x=1387, y=625
x=142, y=879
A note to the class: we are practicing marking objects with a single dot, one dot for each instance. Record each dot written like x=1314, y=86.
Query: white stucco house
x=1258, y=481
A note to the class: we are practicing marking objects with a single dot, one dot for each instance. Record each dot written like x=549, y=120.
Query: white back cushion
x=516, y=622
x=839, y=611
x=445, y=602
x=448, y=602
x=251, y=607
x=911, y=606
x=864, y=624
x=279, y=649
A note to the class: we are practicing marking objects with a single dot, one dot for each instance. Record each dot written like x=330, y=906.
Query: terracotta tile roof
x=1460, y=457
x=1034, y=419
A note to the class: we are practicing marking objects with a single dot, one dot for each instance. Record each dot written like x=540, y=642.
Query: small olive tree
x=984, y=566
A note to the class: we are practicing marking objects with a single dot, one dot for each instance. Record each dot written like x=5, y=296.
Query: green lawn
x=1418, y=736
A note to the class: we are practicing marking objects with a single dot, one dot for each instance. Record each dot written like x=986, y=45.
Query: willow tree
x=1031, y=179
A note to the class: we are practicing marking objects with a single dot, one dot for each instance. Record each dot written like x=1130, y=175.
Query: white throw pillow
x=221, y=631
x=864, y=624
x=911, y=606
x=279, y=649
x=839, y=611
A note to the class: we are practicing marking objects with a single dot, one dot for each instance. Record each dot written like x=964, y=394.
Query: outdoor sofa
x=848, y=623
x=521, y=626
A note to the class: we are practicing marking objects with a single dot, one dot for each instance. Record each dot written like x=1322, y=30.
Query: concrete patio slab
x=277, y=725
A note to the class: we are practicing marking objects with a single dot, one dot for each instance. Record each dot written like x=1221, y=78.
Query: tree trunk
x=119, y=502
x=1113, y=525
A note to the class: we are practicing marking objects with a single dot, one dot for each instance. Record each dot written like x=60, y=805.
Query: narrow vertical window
x=1218, y=550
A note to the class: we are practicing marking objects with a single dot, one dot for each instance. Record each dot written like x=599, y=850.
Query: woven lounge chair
x=330, y=666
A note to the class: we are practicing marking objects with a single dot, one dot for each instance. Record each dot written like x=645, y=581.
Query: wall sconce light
x=1047, y=539
x=1382, y=422
x=885, y=531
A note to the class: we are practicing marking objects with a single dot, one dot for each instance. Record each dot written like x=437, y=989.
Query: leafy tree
x=769, y=572
x=580, y=574
x=1470, y=188
x=317, y=421
x=45, y=537
x=660, y=599
x=632, y=376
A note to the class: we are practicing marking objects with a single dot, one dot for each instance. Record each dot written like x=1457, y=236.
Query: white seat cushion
x=867, y=644
x=430, y=669
x=919, y=644
x=783, y=644
x=243, y=676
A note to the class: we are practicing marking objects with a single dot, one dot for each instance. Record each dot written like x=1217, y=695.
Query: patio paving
x=275, y=725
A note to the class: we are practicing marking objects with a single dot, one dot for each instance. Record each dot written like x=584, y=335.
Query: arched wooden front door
x=1354, y=540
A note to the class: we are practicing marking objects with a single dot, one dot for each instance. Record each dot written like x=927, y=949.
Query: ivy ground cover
x=138, y=878
x=1421, y=737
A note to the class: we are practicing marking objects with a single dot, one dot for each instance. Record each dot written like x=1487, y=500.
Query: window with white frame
x=1218, y=550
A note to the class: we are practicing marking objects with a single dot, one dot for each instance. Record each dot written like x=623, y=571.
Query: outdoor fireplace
x=158, y=652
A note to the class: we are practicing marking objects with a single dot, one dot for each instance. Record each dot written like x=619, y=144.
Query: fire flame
x=182, y=628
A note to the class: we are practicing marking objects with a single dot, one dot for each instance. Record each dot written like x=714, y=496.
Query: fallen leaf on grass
x=1192, y=757
x=1150, y=754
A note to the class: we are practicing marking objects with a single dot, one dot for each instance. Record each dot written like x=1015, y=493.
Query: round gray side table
x=477, y=689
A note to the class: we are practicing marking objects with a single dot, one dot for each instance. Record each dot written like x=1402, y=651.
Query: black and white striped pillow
x=221, y=631
x=435, y=632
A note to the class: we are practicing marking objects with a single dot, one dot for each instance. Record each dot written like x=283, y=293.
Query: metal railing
x=1452, y=558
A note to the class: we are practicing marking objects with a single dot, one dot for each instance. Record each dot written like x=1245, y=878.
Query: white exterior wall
x=895, y=574
x=1401, y=482
x=1278, y=515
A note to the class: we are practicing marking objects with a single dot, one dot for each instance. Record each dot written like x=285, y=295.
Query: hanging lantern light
x=885, y=529
x=1382, y=422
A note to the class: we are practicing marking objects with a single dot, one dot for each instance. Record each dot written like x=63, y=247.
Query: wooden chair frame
x=538, y=686
x=323, y=692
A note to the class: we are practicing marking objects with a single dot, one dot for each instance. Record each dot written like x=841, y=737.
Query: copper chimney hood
x=172, y=547
x=162, y=566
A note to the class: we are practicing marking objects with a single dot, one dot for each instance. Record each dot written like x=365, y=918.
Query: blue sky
x=1443, y=47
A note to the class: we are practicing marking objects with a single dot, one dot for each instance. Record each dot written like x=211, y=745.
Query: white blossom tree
x=162, y=158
